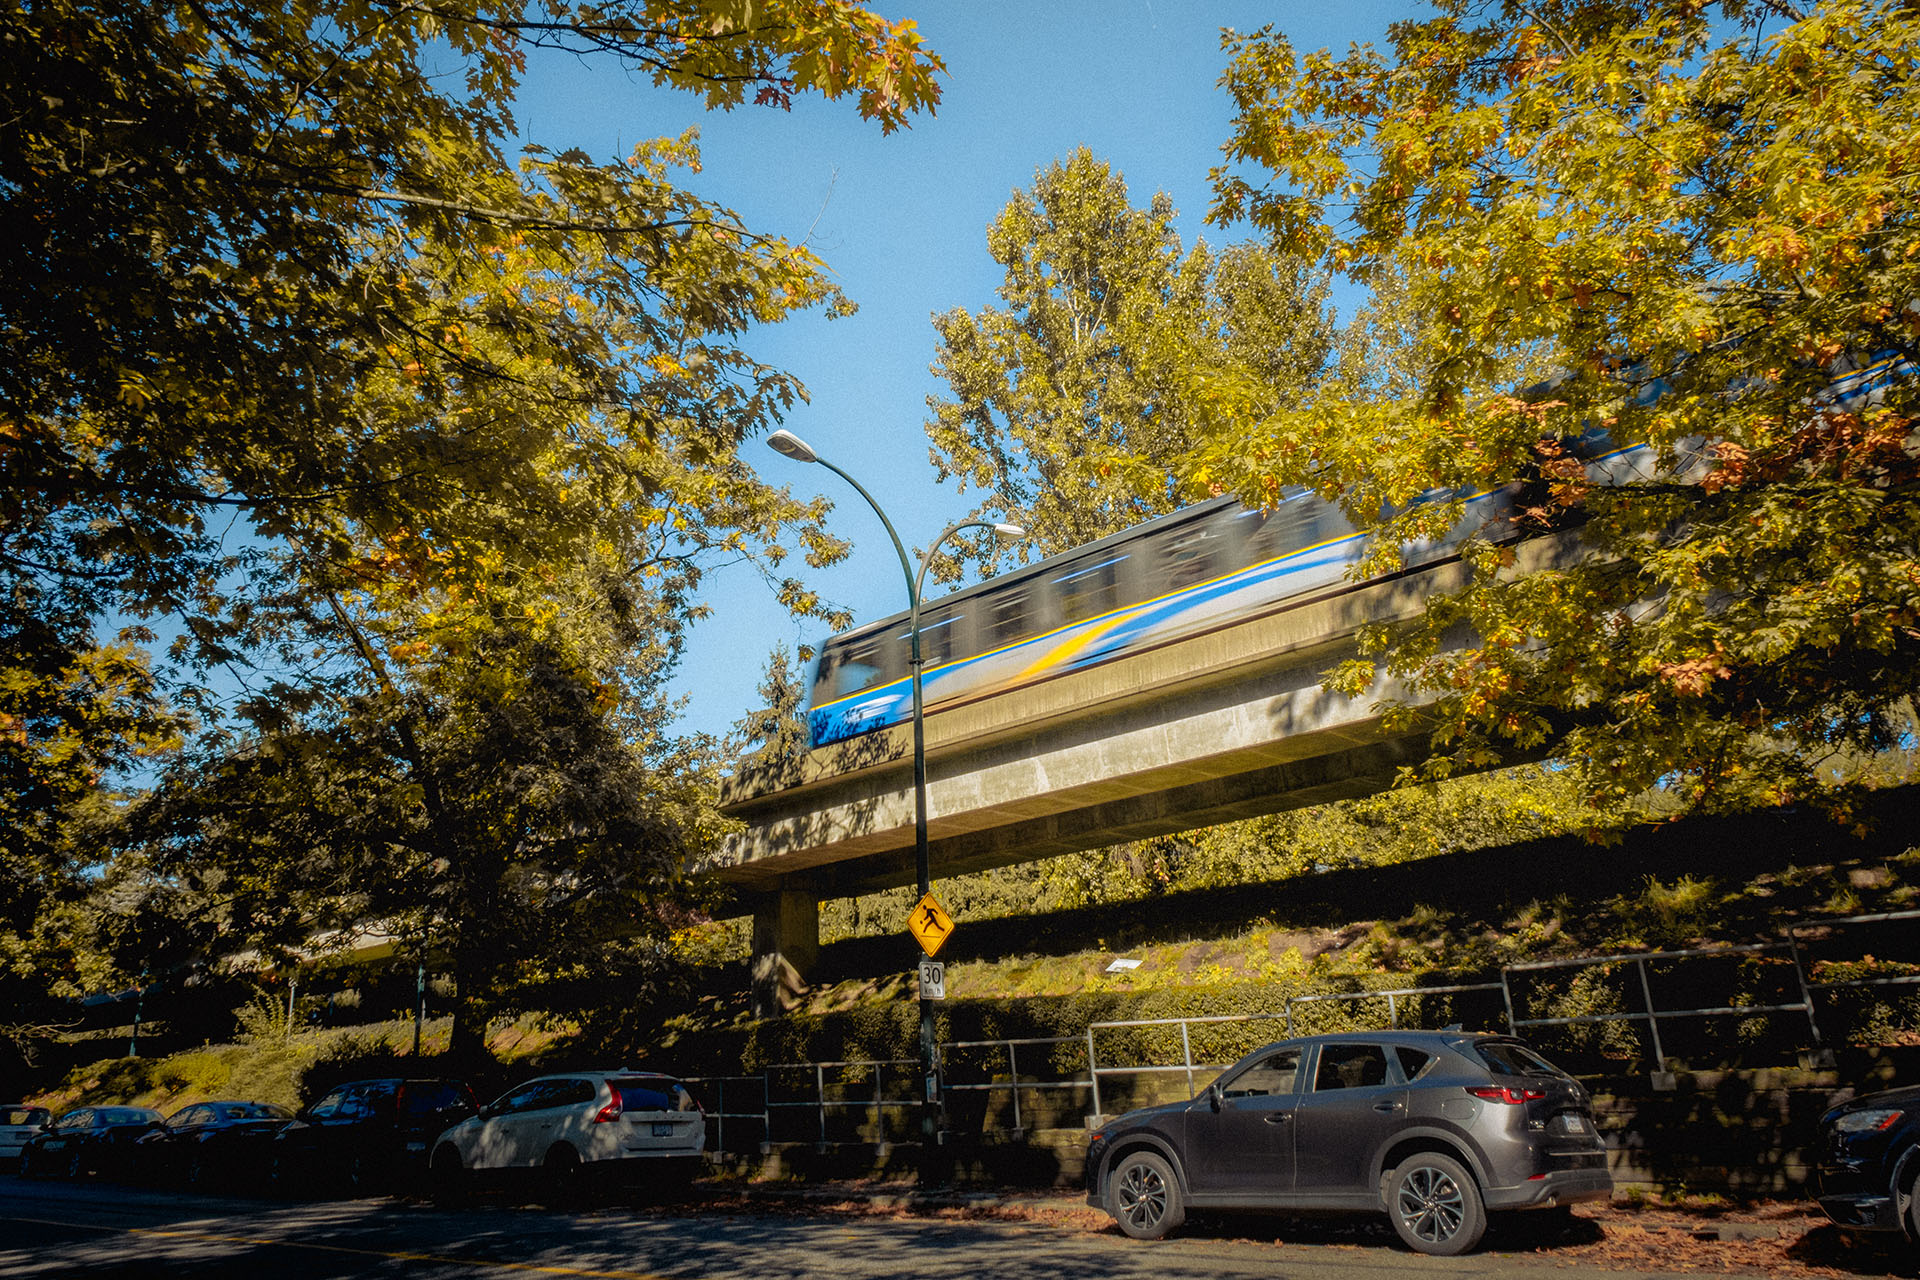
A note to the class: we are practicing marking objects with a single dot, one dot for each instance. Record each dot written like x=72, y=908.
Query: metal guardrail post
x=1393, y=1012
x=1093, y=1072
x=1806, y=992
x=1653, y=1019
x=1013, y=1080
x=1506, y=995
x=1186, y=1054
x=820, y=1097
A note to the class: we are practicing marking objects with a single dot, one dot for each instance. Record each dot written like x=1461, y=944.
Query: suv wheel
x=360, y=1179
x=1145, y=1198
x=564, y=1174
x=446, y=1177
x=1435, y=1205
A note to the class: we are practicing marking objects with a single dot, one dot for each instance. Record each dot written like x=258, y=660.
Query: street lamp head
x=792, y=446
x=1010, y=531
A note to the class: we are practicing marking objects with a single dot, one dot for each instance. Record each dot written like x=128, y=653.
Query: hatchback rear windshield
x=652, y=1093
x=23, y=1115
x=1504, y=1058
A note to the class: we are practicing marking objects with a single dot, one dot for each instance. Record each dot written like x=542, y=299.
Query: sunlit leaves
x=1699, y=218
x=1069, y=404
x=424, y=444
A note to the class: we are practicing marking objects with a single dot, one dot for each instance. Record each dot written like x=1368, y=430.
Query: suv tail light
x=1512, y=1095
x=609, y=1113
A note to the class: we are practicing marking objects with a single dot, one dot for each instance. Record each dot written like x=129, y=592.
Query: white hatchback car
x=17, y=1124
x=572, y=1123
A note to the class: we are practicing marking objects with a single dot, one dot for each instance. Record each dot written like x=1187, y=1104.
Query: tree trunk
x=470, y=1012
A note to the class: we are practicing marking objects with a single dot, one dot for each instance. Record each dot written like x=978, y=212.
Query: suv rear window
x=652, y=1093
x=1413, y=1061
x=1505, y=1058
x=22, y=1115
x=425, y=1097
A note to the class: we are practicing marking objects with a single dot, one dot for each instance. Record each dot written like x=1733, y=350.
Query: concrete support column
x=786, y=944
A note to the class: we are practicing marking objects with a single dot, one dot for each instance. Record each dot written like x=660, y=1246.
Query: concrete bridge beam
x=1229, y=724
x=786, y=944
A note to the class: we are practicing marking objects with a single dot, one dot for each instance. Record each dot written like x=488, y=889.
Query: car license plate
x=1573, y=1124
x=416, y=1146
x=662, y=1130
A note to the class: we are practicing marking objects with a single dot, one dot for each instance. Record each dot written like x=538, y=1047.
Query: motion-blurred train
x=1191, y=571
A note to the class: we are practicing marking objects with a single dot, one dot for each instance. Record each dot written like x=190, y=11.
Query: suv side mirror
x=1213, y=1096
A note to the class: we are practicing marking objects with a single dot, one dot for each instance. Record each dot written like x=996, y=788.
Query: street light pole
x=792, y=446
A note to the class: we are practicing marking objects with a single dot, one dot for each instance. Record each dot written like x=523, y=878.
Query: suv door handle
x=1277, y=1117
x=1386, y=1106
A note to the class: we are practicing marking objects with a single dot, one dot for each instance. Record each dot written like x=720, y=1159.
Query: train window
x=861, y=666
x=1281, y=530
x=1087, y=591
x=1297, y=522
x=936, y=638
x=1008, y=618
x=1191, y=557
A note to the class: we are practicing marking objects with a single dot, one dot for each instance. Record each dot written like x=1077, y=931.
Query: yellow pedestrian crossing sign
x=930, y=925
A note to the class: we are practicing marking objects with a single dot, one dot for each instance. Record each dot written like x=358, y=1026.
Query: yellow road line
x=395, y=1255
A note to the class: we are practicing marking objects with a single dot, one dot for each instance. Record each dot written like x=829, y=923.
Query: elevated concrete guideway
x=1229, y=724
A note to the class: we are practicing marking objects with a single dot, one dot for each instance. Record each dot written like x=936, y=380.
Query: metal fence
x=721, y=1098
x=1650, y=1011
x=1167, y=1046
x=1013, y=1084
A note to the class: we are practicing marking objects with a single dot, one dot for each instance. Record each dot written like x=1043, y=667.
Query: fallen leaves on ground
x=1776, y=1239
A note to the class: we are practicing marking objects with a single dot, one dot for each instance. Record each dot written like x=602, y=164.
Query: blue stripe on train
x=892, y=703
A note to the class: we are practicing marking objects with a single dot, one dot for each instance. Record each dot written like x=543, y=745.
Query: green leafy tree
x=1703, y=215
x=304, y=364
x=494, y=795
x=1070, y=404
x=275, y=275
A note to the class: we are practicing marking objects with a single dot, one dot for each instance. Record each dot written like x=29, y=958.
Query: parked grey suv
x=1432, y=1128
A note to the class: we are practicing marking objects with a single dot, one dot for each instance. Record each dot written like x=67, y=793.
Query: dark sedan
x=1432, y=1128
x=88, y=1140
x=1869, y=1161
x=211, y=1143
x=366, y=1136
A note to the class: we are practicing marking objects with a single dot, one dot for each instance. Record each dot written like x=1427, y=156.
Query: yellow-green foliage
x=265, y=1067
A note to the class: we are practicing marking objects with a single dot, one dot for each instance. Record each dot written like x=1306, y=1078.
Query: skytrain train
x=1194, y=570
x=1202, y=567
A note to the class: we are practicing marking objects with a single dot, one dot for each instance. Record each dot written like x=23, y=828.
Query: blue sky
x=902, y=220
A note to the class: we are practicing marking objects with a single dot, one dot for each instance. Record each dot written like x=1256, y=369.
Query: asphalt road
x=55, y=1231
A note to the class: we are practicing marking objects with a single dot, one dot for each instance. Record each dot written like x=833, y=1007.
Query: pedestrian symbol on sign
x=929, y=924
